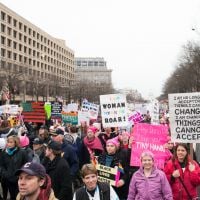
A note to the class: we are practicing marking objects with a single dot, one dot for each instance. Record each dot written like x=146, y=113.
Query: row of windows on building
x=23, y=71
x=28, y=31
x=90, y=63
x=31, y=43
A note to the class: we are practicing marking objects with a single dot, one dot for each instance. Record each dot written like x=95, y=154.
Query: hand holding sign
x=120, y=183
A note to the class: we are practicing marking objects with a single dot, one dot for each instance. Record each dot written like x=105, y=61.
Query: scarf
x=93, y=144
x=46, y=189
x=109, y=159
x=11, y=151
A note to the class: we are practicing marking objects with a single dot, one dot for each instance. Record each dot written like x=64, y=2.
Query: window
x=29, y=51
x=29, y=31
x=3, y=40
x=25, y=39
x=15, y=45
x=34, y=43
x=29, y=41
x=20, y=26
x=9, y=42
x=14, y=34
x=20, y=58
x=3, y=28
x=3, y=52
x=15, y=22
x=25, y=28
x=20, y=47
x=9, y=18
x=25, y=49
x=14, y=56
x=3, y=15
x=29, y=61
x=33, y=33
x=9, y=30
x=9, y=55
x=20, y=36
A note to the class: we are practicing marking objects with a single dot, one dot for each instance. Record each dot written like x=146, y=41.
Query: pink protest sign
x=152, y=138
x=135, y=118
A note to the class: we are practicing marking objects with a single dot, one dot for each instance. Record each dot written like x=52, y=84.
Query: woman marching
x=149, y=183
x=183, y=174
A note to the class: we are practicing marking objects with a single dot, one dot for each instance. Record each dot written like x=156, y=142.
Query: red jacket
x=191, y=179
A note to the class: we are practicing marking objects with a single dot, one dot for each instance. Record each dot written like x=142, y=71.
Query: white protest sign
x=184, y=113
x=72, y=107
x=83, y=117
x=91, y=108
x=154, y=111
x=113, y=110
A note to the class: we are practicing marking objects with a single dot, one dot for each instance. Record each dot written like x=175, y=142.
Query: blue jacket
x=71, y=157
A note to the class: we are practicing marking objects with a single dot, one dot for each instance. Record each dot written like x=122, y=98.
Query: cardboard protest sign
x=72, y=107
x=83, y=117
x=108, y=174
x=154, y=111
x=135, y=117
x=184, y=113
x=152, y=138
x=9, y=109
x=113, y=110
x=91, y=108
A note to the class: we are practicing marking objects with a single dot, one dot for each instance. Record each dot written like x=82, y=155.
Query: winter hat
x=2, y=143
x=24, y=141
x=147, y=153
x=126, y=133
x=92, y=129
x=38, y=141
x=114, y=141
x=55, y=146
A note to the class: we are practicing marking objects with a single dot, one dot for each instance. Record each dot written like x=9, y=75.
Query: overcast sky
x=141, y=40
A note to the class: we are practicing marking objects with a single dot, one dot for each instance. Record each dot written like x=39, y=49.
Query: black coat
x=10, y=163
x=120, y=158
x=59, y=171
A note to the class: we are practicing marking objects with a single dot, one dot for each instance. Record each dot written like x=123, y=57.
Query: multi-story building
x=33, y=57
x=93, y=70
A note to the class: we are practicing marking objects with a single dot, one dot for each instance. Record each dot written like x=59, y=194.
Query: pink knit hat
x=114, y=141
x=147, y=153
x=24, y=141
x=93, y=129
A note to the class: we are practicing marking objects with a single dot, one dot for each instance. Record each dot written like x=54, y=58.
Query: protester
x=92, y=189
x=38, y=150
x=115, y=158
x=183, y=174
x=149, y=183
x=69, y=153
x=12, y=158
x=59, y=171
x=34, y=183
x=91, y=147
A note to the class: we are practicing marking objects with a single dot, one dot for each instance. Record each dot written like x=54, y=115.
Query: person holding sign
x=116, y=159
x=92, y=189
x=183, y=174
x=149, y=183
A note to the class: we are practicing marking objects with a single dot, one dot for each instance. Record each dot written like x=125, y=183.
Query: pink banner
x=152, y=138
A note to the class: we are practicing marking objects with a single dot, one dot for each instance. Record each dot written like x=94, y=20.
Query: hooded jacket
x=154, y=187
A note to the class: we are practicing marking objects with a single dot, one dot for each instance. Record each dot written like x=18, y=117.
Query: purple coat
x=155, y=187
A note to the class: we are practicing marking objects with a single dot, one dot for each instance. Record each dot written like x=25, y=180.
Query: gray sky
x=140, y=39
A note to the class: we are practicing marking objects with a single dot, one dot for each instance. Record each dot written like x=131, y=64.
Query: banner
x=152, y=138
x=113, y=110
x=91, y=108
x=184, y=113
x=108, y=174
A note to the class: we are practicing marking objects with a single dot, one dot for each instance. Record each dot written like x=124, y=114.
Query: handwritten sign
x=70, y=118
x=108, y=174
x=184, y=113
x=152, y=138
x=91, y=108
x=113, y=110
x=56, y=109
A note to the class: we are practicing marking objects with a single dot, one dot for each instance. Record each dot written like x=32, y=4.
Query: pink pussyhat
x=93, y=129
x=114, y=141
x=126, y=133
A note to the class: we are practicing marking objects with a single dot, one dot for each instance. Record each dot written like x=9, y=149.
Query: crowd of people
x=42, y=161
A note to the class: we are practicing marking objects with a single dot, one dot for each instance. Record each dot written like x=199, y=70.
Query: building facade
x=93, y=70
x=39, y=62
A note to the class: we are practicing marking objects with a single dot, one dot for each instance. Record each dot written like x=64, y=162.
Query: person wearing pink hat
x=91, y=147
x=114, y=157
x=124, y=139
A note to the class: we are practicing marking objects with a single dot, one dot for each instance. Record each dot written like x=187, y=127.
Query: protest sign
x=113, y=110
x=152, y=138
x=72, y=107
x=108, y=174
x=83, y=117
x=135, y=117
x=184, y=113
x=56, y=109
x=47, y=108
x=70, y=118
x=91, y=108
